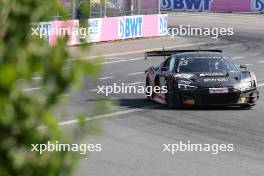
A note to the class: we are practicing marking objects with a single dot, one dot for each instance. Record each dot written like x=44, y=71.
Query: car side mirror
x=243, y=67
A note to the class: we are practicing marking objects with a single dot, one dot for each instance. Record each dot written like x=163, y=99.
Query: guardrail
x=110, y=8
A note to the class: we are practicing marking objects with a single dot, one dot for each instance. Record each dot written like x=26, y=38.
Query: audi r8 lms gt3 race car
x=200, y=78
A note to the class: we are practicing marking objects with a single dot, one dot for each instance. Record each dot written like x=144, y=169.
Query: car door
x=163, y=72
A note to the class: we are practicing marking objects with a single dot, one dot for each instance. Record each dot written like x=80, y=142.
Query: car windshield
x=206, y=64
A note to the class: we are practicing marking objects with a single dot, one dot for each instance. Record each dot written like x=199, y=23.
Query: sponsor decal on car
x=218, y=90
x=216, y=80
x=212, y=74
x=182, y=75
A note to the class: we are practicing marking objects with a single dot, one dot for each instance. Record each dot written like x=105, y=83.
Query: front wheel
x=169, y=100
x=148, y=94
x=172, y=100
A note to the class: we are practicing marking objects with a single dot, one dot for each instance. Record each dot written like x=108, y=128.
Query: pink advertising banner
x=53, y=30
x=126, y=27
x=109, y=29
x=106, y=29
x=254, y=6
x=149, y=22
x=65, y=28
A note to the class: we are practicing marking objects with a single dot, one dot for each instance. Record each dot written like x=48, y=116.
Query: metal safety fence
x=109, y=8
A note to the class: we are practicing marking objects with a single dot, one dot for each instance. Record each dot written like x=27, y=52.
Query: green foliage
x=22, y=57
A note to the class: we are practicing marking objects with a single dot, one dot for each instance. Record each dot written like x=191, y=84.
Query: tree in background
x=21, y=114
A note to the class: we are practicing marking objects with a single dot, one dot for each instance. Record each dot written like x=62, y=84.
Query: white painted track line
x=139, y=51
x=136, y=73
x=112, y=62
x=261, y=85
x=134, y=83
x=133, y=59
x=115, y=114
x=93, y=90
x=104, y=78
x=238, y=57
x=122, y=60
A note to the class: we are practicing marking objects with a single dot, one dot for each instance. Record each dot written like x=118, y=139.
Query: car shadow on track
x=143, y=103
x=139, y=103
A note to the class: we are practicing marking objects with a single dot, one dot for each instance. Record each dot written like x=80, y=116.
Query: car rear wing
x=171, y=52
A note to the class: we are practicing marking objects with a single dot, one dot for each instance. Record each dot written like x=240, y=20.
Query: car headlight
x=245, y=84
x=186, y=85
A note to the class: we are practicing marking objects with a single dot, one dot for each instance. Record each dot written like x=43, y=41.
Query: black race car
x=200, y=78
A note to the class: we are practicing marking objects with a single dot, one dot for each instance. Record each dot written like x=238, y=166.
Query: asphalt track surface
x=134, y=133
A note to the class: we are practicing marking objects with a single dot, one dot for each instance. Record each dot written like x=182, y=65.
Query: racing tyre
x=148, y=95
x=170, y=99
